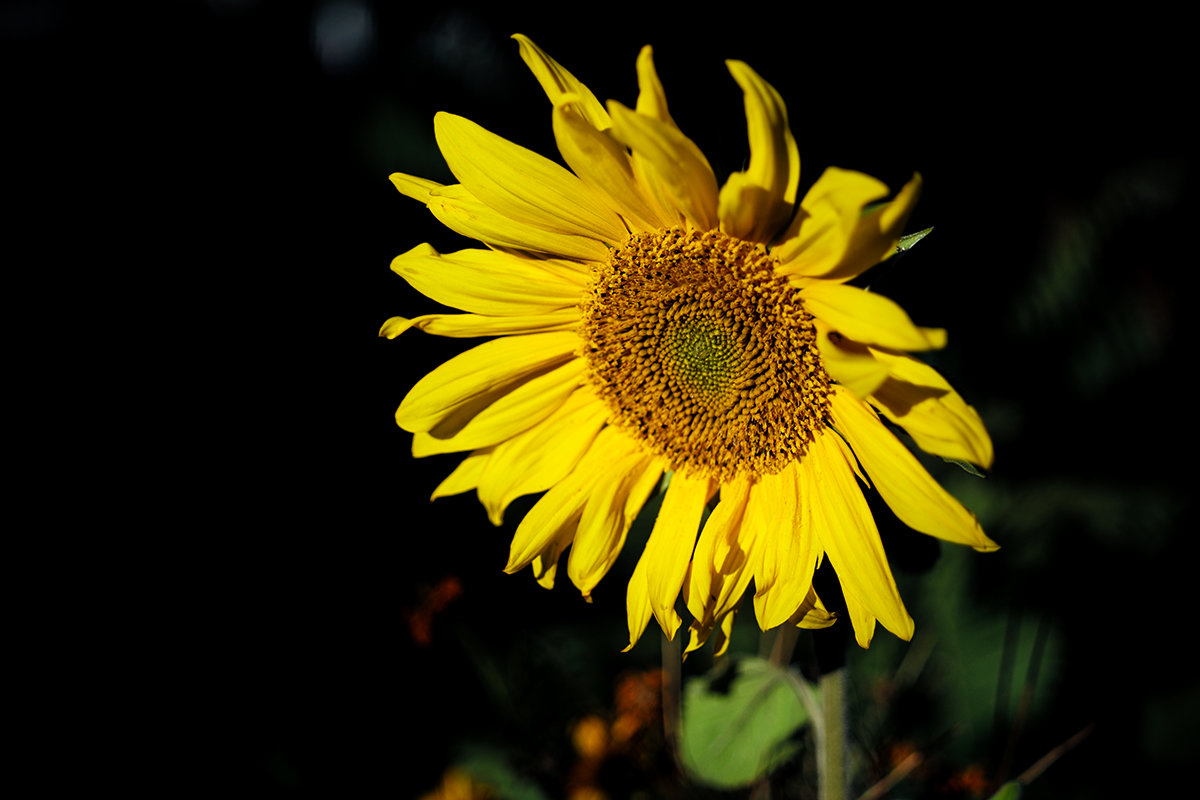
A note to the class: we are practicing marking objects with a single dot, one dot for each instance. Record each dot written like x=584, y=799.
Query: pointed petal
x=756, y=204
x=669, y=548
x=603, y=164
x=478, y=325
x=540, y=457
x=868, y=318
x=637, y=604
x=557, y=81
x=721, y=568
x=787, y=554
x=550, y=525
x=908, y=489
x=615, y=502
x=921, y=401
x=863, y=621
x=652, y=100
x=522, y=185
x=465, y=476
x=485, y=281
x=463, y=386
x=463, y=213
x=682, y=178
x=519, y=410
x=849, y=536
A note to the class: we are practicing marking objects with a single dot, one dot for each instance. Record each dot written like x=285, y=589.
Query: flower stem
x=831, y=747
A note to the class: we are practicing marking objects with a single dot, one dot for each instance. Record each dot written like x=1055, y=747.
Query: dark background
x=233, y=156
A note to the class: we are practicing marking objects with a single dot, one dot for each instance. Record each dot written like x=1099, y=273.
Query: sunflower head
x=643, y=320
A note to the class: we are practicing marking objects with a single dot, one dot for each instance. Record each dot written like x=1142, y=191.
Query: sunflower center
x=704, y=353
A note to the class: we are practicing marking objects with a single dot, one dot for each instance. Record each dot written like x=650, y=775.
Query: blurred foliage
x=741, y=722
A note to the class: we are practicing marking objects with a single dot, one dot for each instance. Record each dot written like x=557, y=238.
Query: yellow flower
x=650, y=322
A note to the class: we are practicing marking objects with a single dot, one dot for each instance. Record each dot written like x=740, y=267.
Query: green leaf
x=1009, y=791
x=739, y=726
x=906, y=242
x=966, y=466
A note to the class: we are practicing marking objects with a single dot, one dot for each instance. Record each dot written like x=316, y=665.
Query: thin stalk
x=831, y=741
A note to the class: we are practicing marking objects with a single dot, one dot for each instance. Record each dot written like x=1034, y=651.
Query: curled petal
x=823, y=228
x=756, y=204
x=557, y=81
x=838, y=234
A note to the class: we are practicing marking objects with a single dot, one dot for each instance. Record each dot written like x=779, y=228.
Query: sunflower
x=651, y=328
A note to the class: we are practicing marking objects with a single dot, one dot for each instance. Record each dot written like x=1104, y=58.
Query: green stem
x=831, y=745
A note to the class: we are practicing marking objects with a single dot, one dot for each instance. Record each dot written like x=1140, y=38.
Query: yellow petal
x=812, y=614
x=557, y=81
x=669, y=548
x=477, y=325
x=637, y=604
x=682, y=178
x=868, y=318
x=550, y=525
x=863, y=621
x=721, y=568
x=614, y=504
x=724, y=630
x=921, y=401
x=485, y=281
x=522, y=185
x=465, y=476
x=541, y=456
x=849, y=536
x=824, y=226
x=463, y=213
x=519, y=410
x=603, y=164
x=837, y=238
x=908, y=489
x=789, y=547
x=652, y=100
x=463, y=386
x=755, y=205
x=849, y=363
